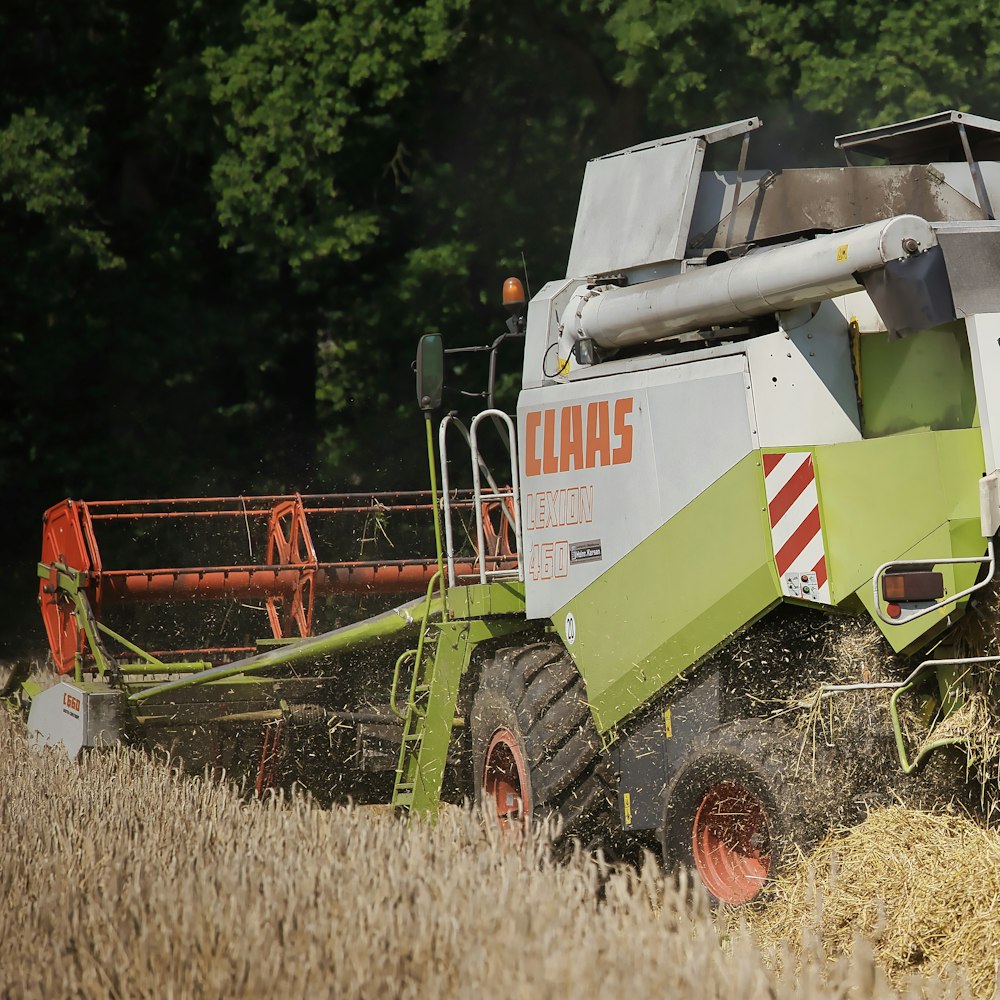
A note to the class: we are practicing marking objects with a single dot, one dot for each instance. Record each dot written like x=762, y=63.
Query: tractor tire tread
x=538, y=693
x=806, y=794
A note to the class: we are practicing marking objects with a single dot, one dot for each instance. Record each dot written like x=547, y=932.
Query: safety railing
x=497, y=557
x=910, y=614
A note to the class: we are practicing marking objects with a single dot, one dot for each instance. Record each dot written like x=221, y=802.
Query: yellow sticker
x=841, y=253
x=668, y=725
x=627, y=803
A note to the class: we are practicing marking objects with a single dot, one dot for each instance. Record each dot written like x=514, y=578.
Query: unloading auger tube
x=761, y=282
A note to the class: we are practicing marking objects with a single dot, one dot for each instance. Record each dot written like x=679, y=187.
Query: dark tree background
x=224, y=225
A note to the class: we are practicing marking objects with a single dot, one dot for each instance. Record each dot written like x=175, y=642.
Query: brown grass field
x=121, y=878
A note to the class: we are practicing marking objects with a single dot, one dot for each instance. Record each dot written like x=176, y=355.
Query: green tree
x=814, y=68
x=224, y=225
x=405, y=157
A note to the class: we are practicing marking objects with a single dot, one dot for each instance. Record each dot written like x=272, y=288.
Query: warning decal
x=796, y=528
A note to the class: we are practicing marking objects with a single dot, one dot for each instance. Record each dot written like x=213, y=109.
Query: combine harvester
x=755, y=396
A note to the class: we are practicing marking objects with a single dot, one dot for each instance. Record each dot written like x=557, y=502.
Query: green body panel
x=921, y=382
x=881, y=497
x=28, y=689
x=709, y=571
x=478, y=600
x=699, y=578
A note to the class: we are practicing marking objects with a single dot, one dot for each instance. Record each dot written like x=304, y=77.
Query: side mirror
x=430, y=371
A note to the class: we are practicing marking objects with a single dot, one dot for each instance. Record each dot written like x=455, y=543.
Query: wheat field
x=123, y=878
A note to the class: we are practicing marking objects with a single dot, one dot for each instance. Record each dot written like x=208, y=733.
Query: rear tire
x=741, y=805
x=535, y=749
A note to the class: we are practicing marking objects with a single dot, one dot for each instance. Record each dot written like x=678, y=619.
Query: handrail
x=477, y=491
x=478, y=465
x=445, y=490
x=899, y=688
x=904, y=619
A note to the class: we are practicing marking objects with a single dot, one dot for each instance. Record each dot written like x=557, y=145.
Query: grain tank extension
x=759, y=415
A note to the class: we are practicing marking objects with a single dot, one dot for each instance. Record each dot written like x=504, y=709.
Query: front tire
x=535, y=750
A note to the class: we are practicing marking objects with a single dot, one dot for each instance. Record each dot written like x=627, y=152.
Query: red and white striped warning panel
x=796, y=529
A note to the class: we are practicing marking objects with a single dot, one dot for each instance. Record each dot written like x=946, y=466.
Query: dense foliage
x=224, y=225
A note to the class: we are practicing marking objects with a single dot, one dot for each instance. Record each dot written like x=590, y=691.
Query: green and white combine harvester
x=759, y=402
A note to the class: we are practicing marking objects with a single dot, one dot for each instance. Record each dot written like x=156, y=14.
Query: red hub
x=731, y=843
x=505, y=781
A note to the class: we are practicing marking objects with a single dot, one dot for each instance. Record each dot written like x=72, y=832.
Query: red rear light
x=912, y=586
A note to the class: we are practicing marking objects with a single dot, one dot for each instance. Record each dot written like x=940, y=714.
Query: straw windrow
x=923, y=888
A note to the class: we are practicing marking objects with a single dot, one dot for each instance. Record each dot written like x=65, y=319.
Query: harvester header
x=280, y=566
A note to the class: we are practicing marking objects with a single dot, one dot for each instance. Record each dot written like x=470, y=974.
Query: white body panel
x=615, y=228
x=672, y=432
x=543, y=333
x=803, y=384
x=690, y=419
x=984, y=347
x=74, y=717
x=958, y=176
x=859, y=308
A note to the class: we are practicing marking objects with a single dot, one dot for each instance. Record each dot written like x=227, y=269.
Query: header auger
x=759, y=414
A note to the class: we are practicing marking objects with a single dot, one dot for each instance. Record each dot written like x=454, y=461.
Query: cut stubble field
x=123, y=878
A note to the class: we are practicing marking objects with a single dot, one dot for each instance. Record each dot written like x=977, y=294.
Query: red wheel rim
x=505, y=781
x=731, y=843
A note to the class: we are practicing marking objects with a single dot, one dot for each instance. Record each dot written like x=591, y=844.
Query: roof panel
x=934, y=138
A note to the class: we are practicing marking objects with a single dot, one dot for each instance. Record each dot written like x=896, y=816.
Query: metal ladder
x=430, y=718
x=444, y=648
x=411, y=791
